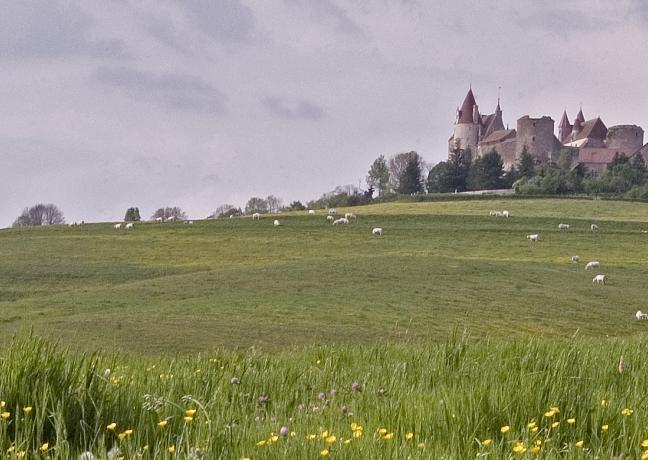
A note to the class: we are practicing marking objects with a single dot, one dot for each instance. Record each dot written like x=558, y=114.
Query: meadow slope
x=240, y=283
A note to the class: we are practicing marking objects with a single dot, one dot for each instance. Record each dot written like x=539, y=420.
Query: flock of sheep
x=330, y=217
x=599, y=279
x=159, y=220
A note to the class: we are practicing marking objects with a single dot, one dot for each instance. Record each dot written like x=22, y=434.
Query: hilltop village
x=593, y=144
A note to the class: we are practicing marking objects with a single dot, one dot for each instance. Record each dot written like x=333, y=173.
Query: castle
x=594, y=145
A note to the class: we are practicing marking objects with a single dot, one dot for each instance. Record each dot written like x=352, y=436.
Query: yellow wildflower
x=357, y=433
x=644, y=443
x=531, y=424
x=274, y=438
x=324, y=452
x=20, y=454
x=324, y=434
x=27, y=409
x=171, y=449
x=111, y=426
x=421, y=445
x=571, y=421
x=2, y=404
x=354, y=426
x=311, y=436
x=534, y=429
x=549, y=413
x=293, y=434
x=128, y=432
x=330, y=439
x=579, y=444
x=535, y=450
x=388, y=436
x=44, y=447
x=121, y=436
x=555, y=424
x=626, y=412
x=188, y=418
x=409, y=436
x=644, y=455
x=519, y=448
x=382, y=431
x=163, y=423
x=505, y=429
x=604, y=402
x=604, y=428
x=261, y=443
x=347, y=441
x=554, y=409
x=11, y=449
x=5, y=415
x=487, y=442
x=190, y=412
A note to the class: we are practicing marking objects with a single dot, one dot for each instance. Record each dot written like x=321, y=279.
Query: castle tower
x=466, y=130
x=564, y=128
x=578, y=123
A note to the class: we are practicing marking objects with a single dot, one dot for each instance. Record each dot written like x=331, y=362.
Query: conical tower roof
x=467, y=108
x=564, y=121
x=580, y=117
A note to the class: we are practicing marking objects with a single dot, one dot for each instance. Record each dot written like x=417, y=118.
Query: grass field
x=240, y=283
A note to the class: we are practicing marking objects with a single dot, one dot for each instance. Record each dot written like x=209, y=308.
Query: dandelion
x=111, y=426
x=555, y=424
x=190, y=412
x=163, y=423
x=171, y=449
x=5, y=415
x=579, y=444
x=324, y=453
x=571, y=421
x=505, y=429
x=409, y=436
x=604, y=428
x=388, y=436
x=27, y=409
x=486, y=442
x=626, y=412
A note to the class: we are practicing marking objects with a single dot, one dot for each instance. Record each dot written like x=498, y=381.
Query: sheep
x=332, y=211
x=535, y=237
x=377, y=231
x=498, y=214
x=117, y=226
x=341, y=221
x=592, y=265
x=575, y=259
x=505, y=214
x=311, y=211
x=190, y=222
x=491, y=213
x=171, y=218
x=159, y=220
x=563, y=226
x=641, y=315
x=256, y=216
x=594, y=227
x=129, y=226
x=599, y=279
x=330, y=218
x=349, y=215
x=276, y=223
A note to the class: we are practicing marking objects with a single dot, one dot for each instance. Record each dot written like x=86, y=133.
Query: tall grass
x=411, y=400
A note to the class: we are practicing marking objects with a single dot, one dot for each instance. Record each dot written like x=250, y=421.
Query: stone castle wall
x=538, y=136
x=625, y=139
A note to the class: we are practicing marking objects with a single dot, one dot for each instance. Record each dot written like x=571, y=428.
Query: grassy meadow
x=450, y=337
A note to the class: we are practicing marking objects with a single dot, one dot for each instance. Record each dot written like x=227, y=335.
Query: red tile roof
x=467, y=108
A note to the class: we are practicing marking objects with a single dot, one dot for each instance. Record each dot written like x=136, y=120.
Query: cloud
x=329, y=13
x=293, y=109
x=49, y=29
x=563, y=20
x=222, y=20
x=176, y=91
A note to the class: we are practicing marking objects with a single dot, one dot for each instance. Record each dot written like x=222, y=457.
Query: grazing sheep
x=498, y=213
x=377, y=231
x=644, y=231
x=594, y=227
x=341, y=221
x=330, y=218
x=311, y=211
x=592, y=265
x=117, y=226
x=159, y=220
x=491, y=214
x=256, y=216
x=505, y=214
x=599, y=279
x=332, y=211
x=190, y=222
x=535, y=237
x=129, y=226
x=171, y=218
x=641, y=315
x=276, y=223
x=575, y=259
x=563, y=226
x=349, y=215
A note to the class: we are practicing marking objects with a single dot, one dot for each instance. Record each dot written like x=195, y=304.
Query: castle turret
x=578, y=123
x=466, y=130
x=564, y=128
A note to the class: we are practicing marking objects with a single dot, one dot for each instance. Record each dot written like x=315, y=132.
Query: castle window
x=533, y=138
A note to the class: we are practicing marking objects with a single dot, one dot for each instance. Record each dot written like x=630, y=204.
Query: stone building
x=596, y=145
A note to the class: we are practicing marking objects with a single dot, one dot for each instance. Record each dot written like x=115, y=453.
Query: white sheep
x=349, y=215
x=594, y=227
x=641, y=315
x=171, y=218
x=117, y=226
x=535, y=237
x=491, y=213
x=256, y=216
x=498, y=213
x=563, y=226
x=311, y=211
x=599, y=279
x=575, y=259
x=505, y=214
x=190, y=222
x=592, y=265
x=377, y=231
x=330, y=218
x=129, y=226
x=276, y=223
x=159, y=220
x=332, y=211
x=341, y=221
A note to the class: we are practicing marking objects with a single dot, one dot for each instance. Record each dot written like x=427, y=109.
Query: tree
x=526, y=164
x=566, y=159
x=397, y=165
x=256, y=204
x=226, y=210
x=167, y=212
x=439, y=178
x=296, y=206
x=378, y=176
x=40, y=214
x=132, y=215
x=410, y=180
x=459, y=162
x=274, y=203
x=486, y=172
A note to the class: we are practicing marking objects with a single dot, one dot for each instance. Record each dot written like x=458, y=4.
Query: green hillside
x=237, y=282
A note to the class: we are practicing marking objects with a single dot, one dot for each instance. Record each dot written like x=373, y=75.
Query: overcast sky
x=111, y=104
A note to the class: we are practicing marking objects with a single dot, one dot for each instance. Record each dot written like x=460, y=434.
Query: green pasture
x=165, y=288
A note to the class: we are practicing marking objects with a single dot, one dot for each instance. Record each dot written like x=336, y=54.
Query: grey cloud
x=223, y=20
x=49, y=29
x=164, y=30
x=293, y=109
x=176, y=91
x=328, y=12
x=560, y=19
